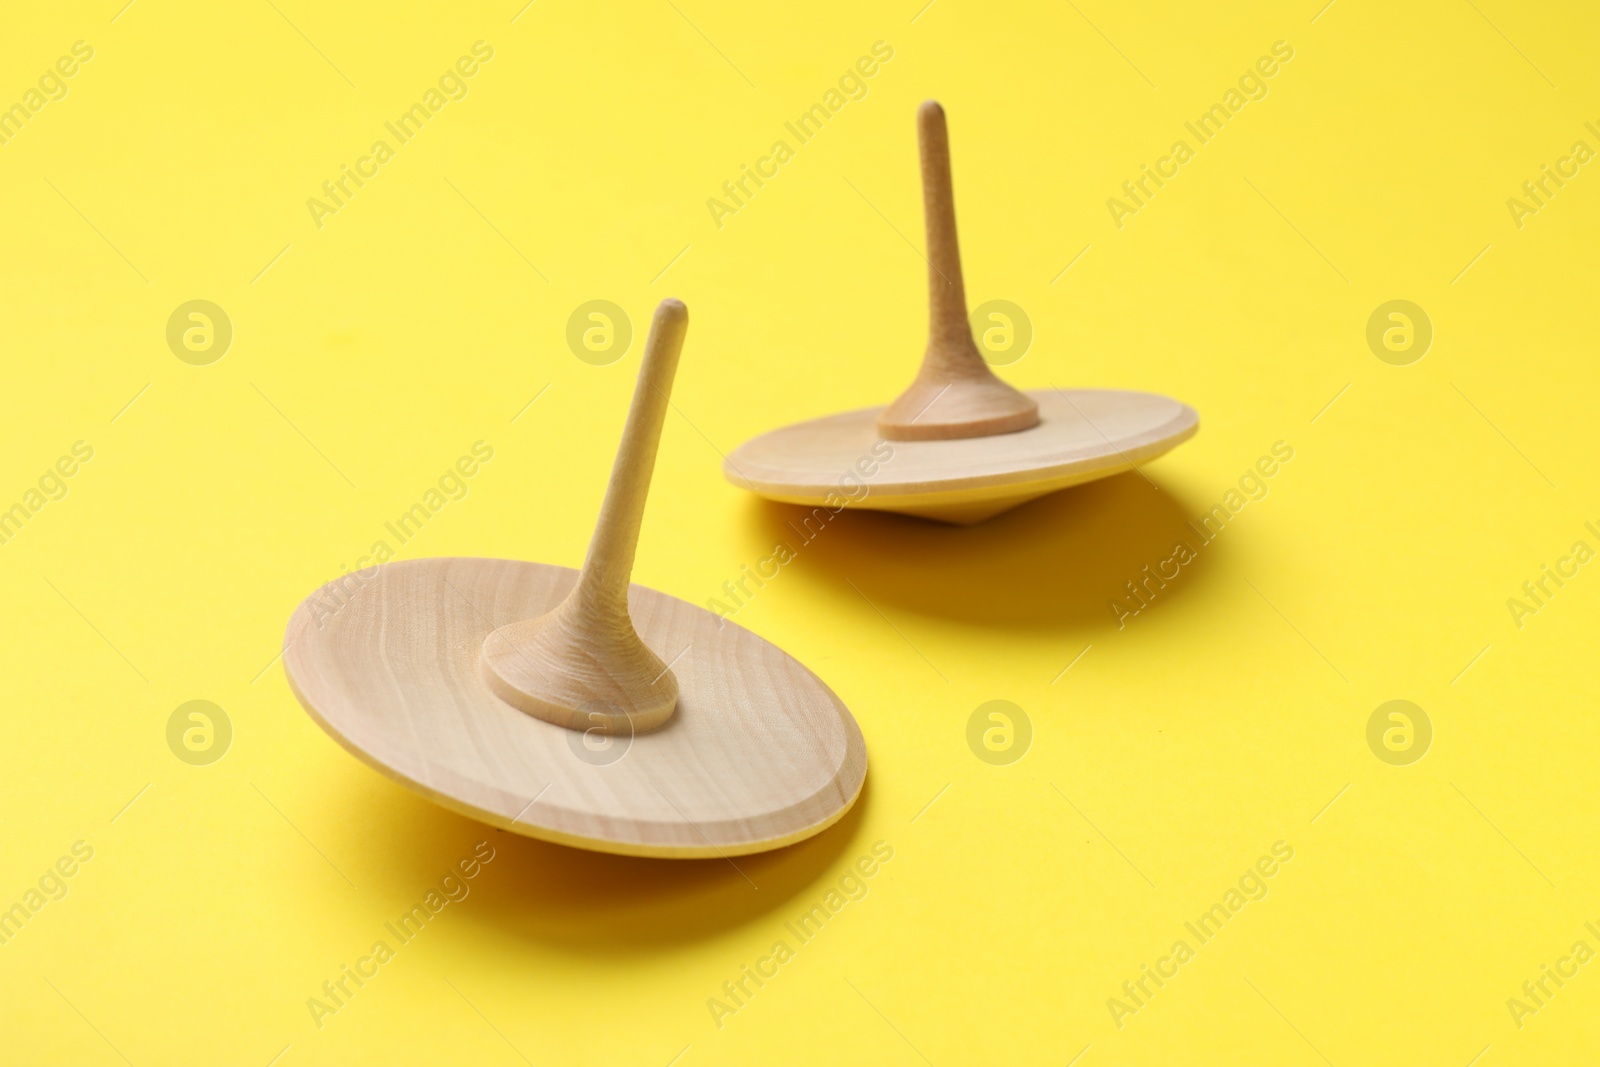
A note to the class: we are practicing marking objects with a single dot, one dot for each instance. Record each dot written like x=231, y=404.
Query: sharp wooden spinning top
x=573, y=706
x=959, y=445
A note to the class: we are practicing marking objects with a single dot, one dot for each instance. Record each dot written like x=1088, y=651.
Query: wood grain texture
x=1083, y=434
x=955, y=394
x=582, y=665
x=759, y=754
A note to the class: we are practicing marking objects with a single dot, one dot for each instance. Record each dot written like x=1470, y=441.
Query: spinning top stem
x=603, y=584
x=949, y=335
x=582, y=665
x=955, y=393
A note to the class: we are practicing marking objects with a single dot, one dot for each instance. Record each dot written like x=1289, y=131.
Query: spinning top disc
x=959, y=445
x=570, y=705
x=1082, y=434
x=758, y=754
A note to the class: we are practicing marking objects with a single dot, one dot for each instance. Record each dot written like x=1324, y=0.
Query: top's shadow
x=594, y=902
x=1055, y=561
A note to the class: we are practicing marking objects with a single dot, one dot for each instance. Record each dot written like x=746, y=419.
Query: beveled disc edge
x=974, y=486
x=855, y=756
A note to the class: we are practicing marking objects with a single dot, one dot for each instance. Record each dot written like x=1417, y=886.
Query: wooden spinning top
x=573, y=706
x=959, y=445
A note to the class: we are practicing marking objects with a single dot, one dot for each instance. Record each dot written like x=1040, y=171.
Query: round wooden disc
x=759, y=754
x=1083, y=434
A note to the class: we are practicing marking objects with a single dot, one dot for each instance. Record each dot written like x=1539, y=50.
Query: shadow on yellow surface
x=594, y=902
x=1052, y=562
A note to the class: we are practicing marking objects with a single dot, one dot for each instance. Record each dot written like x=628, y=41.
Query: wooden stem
x=947, y=294
x=955, y=394
x=582, y=665
x=603, y=585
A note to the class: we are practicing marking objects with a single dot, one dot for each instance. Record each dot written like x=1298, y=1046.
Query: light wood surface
x=955, y=394
x=839, y=460
x=759, y=754
x=582, y=665
x=573, y=706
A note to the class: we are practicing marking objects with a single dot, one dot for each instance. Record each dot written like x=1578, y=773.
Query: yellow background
x=1164, y=762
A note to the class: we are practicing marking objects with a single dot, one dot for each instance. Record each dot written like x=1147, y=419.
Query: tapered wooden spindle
x=582, y=665
x=955, y=394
